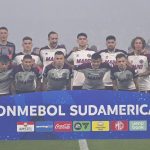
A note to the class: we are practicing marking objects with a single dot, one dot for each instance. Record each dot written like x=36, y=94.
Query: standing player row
x=82, y=55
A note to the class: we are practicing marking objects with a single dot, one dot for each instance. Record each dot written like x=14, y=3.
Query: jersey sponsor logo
x=89, y=55
x=95, y=76
x=44, y=126
x=100, y=125
x=138, y=125
x=119, y=125
x=138, y=66
x=83, y=61
x=63, y=126
x=81, y=126
x=110, y=62
x=25, y=126
x=49, y=58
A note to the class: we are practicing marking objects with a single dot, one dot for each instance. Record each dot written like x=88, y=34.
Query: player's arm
x=68, y=86
x=114, y=80
x=80, y=68
x=135, y=79
x=136, y=84
x=41, y=58
x=13, y=83
x=147, y=72
x=14, y=51
x=38, y=79
x=13, y=87
x=38, y=84
x=69, y=64
x=70, y=57
x=45, y=80
x=44, y=84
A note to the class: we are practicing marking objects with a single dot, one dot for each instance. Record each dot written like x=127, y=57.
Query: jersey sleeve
x=14, y=51
x=40, y=55
x=70, y=56
x=112, y=74
x=107, y=66
x=148, y=59
x=14, y=71
x=45, y=72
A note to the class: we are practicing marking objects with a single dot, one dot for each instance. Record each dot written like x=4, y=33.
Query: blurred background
x=98, y=18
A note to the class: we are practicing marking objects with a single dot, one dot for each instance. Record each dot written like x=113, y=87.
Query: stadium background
x=98, y=18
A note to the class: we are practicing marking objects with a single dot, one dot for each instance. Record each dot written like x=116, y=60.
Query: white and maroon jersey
x=141, y=64
x=8, y=49
x=124, y=78
x=110, y=58
x=6, y=78
x=19, y=57
x=79, y=57
x=47, y=54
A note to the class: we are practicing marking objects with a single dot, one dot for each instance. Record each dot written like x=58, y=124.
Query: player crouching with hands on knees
x=57, y=75
x=26, y=77
x=123, y=76
x=94, y=73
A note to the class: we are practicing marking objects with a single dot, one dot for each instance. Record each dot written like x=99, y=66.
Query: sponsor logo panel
x=25, y=126
x=119, y=125
x=100, y=125
x=81, y=126
x=44, y=126
x=139, y=125
x=63, y=126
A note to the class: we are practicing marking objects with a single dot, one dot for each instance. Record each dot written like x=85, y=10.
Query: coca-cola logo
x=64, y=126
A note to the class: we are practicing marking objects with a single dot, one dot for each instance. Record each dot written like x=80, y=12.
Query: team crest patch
x=88, y=55
x=77, y=55
x=141, y=61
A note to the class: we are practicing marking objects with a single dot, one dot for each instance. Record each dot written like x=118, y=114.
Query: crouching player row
x=57, y=76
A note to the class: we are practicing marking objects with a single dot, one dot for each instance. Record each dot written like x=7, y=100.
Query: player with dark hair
x=123, y=76
x=109, y=56
x=26, y=77
x=57, y=74
x=27, y=50
x=141, y=62
x=47, y=53
x=5, y=75
x=94, y=72
x=6, y=48
x=81, y=55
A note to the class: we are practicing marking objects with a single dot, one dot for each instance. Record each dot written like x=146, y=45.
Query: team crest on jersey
x=106, y=57
x=89, y=55
x=131, y=61
x=77, y=55
x=141, y=61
